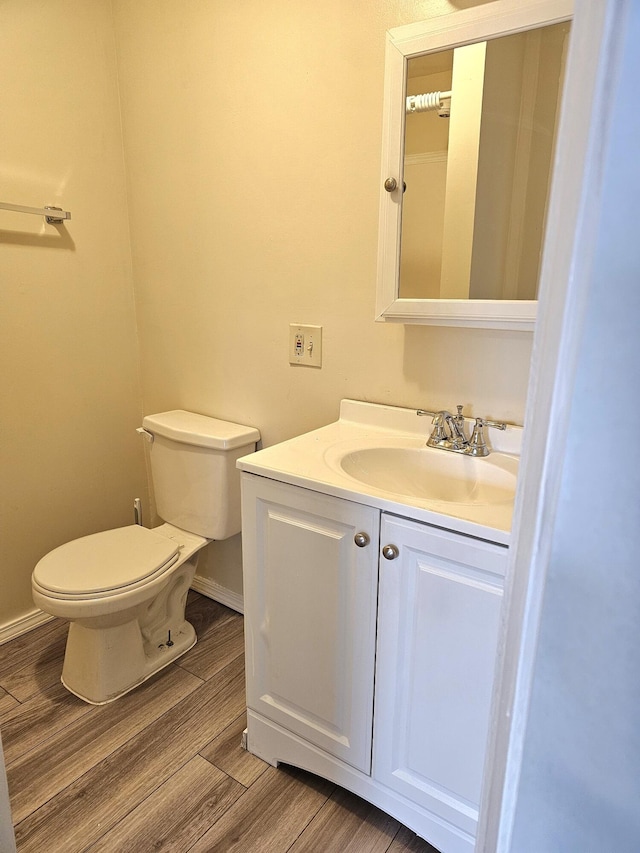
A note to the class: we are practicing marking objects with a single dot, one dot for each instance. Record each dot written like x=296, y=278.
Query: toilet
x=124, y=591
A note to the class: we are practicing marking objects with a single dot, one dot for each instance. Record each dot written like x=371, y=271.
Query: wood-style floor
x=162, y=768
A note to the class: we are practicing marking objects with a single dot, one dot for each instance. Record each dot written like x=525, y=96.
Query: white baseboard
x=218, y=593
x=11, y=630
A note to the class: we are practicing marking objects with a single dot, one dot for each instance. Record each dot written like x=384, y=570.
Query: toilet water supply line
x=137, y=503
x=429, y=101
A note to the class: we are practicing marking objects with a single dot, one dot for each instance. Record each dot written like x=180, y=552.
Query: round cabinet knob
x=361, y=540
x=390, y=552
x=390, y=185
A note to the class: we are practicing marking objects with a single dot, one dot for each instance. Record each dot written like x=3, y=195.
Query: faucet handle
x=495, y=424
x=438, y=419
x=477, y=444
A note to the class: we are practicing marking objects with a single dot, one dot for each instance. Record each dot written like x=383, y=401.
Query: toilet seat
x=104, y=564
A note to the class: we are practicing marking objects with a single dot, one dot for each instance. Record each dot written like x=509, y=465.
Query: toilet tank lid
x=200, y=430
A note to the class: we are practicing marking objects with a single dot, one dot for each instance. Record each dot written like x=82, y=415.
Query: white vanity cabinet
x=310, y=615
x=326, y=618
x=438, y=621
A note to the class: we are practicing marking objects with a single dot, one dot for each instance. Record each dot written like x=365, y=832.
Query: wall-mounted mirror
x=472, y=103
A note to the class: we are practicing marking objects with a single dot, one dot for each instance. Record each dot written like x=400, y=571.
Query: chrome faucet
x=449, y=432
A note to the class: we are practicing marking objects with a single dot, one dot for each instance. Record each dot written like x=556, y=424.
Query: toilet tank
x=193, y=467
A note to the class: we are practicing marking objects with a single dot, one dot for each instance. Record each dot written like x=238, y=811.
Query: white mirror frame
x=500, y=18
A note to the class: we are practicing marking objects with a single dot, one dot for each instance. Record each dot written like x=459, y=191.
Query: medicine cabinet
x=471, y=110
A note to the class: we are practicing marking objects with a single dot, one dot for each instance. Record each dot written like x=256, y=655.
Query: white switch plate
x=305, y=345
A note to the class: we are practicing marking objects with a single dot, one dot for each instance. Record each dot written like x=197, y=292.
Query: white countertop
x=306, y=461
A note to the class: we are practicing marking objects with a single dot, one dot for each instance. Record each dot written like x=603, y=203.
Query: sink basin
x=410, y=469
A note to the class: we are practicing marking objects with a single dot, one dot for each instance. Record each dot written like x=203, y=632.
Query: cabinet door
x=439, y=612
x=310, y=607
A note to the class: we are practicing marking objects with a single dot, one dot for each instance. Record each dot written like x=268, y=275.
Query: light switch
x=305, y=345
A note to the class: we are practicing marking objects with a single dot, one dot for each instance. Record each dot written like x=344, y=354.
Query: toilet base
x=117, y=642
x=101, y=665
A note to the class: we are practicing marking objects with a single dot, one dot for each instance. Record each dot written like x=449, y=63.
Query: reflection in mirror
x=477, y=166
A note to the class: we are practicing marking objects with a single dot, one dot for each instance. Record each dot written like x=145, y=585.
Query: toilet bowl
x=124, y=591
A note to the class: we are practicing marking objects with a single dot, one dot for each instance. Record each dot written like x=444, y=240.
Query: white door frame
x=592, y=70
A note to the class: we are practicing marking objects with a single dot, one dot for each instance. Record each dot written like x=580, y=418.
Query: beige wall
x=252, y=149
x=252, y=140
x=70, y=461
